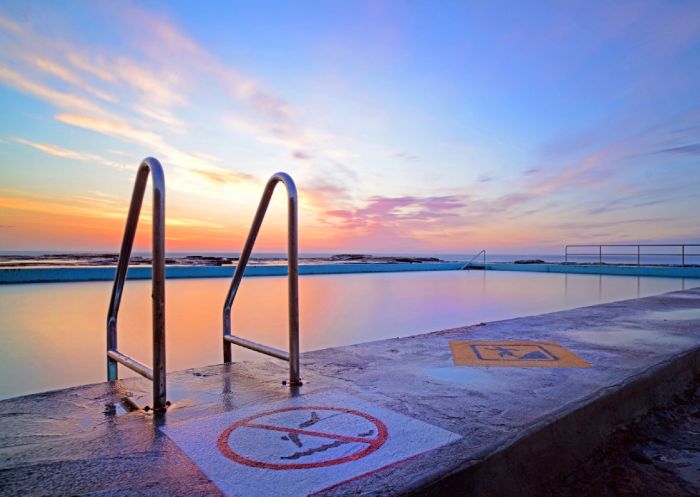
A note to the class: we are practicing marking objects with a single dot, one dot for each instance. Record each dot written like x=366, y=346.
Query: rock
x=639, y=456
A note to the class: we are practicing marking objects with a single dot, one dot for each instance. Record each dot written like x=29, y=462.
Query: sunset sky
x=408, y=126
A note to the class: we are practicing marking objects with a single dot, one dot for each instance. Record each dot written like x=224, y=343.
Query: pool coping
x=71, y=274
x=77, y=274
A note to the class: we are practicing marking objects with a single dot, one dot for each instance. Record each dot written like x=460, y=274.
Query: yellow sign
x=519, y=353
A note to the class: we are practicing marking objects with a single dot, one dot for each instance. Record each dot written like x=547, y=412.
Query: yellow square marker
x=520, y=353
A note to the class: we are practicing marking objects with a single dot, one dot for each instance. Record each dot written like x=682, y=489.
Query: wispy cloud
x=167, y=73
x=62, y=100
x=692, y=150
x=200, y=165
x=299, y=155
x=10, y=26
x=222, y=176
x=592, y=225
x=68, y=154
x=115, y=128
x=68, y=76
x=405, y=156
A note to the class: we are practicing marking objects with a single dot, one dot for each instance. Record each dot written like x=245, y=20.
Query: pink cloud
x=406, y=212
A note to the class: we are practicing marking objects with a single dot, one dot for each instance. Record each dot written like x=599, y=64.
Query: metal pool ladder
x=157, y=373
x=469, y=264
x=293, y=280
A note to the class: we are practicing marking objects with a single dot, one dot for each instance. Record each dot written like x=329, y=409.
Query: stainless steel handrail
x=157, y=373
x=468, y=264
x=293, y=280
x=600, y=254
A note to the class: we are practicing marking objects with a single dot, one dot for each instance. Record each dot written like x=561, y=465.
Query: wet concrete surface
x=517, y=431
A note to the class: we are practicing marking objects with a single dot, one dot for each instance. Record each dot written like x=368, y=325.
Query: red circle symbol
x=365, y=445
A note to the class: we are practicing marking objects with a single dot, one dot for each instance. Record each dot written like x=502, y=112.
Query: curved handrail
x=293, y=278
x=114, y=357
x=468, y=264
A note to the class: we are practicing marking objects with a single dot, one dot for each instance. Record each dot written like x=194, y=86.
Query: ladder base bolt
x=293, y=384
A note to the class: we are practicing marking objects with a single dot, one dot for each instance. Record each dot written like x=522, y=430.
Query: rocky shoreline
x=109, y=260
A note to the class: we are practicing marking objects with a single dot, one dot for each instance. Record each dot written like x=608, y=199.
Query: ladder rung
x=130, y=363
x=258, y=347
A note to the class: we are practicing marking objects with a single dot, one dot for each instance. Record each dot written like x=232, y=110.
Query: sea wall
x=660, y=271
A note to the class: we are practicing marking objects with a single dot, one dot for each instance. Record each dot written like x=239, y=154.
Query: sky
x=408, y=127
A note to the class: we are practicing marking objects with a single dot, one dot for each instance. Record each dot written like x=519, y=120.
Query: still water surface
x=53, y=335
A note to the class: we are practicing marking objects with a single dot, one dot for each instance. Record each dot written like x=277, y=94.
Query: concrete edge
x=660, y=271
x=78, y=274
x=75, y=274
x=533, y=463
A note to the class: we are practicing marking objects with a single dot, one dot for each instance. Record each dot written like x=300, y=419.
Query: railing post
x=682, y=255
x=600, y=254
x=638, y=256
x=293, y=283
x=566, y=253
x=158, y=287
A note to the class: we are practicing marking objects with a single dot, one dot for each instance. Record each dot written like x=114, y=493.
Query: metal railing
x=682, y=254
x=468, y=264
x=293, y=280
x=157, y=373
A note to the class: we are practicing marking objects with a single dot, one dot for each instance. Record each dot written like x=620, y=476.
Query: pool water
x=53, y=335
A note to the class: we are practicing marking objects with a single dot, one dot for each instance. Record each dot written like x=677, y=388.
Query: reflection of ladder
x=293, y=264
x=471, y=265
x=114, y=357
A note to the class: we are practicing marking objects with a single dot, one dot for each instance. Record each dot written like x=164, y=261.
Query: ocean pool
x=52, y=335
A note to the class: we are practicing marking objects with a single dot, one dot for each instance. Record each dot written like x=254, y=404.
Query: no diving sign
x=302, y=437
x=303, y=445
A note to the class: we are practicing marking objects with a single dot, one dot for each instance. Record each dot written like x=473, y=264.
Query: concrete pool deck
x=381, y=418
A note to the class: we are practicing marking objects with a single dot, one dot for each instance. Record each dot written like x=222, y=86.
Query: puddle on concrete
x=473, y=377
x=192, y=396
x=126, y=406
x=616, y=337
x=679, y=315
x=486, y=379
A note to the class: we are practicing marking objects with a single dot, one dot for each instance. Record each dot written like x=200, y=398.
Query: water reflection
x=53, y=335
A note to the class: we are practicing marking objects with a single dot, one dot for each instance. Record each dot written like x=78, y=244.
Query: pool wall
x=69, y=274
x=66, y=274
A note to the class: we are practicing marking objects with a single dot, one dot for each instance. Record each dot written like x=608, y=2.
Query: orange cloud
x=95, y=221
